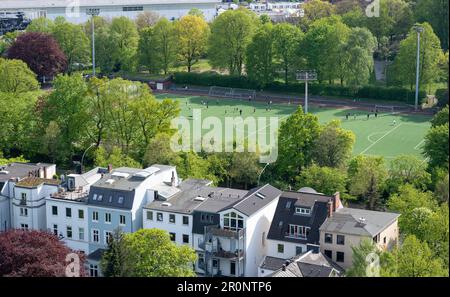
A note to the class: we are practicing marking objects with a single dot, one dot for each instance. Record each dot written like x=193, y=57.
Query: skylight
x=259, y=195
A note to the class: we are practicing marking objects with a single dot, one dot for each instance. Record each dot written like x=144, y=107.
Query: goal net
x=232, y=93
x=384, y=109
x=220, y=91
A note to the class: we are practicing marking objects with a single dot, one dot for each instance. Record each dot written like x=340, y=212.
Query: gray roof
x=309, y=264
x=358, y=221
x=257, y=198
x=120, y=185
x=272, y=263
x=183, y=201
x=96, y=255
x=285, y=215
x=20, y=170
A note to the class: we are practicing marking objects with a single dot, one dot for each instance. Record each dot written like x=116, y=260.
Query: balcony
x=296, y=236
x=220, y=253
x=221, y=232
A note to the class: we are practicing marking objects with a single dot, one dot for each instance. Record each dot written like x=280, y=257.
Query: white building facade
x=75, y=10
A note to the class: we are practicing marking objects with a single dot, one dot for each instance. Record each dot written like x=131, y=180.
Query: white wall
x=256, y=237
x=289, y=249
x=178, y=228
x=75, y=222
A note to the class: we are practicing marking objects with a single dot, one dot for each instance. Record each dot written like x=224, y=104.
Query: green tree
x=160, y=152
x=67, y=107
x=430, y=53
x=286, y=39
x=146, y=19
x=360, y=257
x=358, y=58
x=366, y=178
x=154, y=254
x=323, y=179
x=315, y=10
x=116, y=158
x=147, y=50
x=259, y=61
x=42, y=25
x=436, y=146
x=245, y=168
x=296, y=144
x=415, y=259
x=406, y=169
x=442, y=189
x=334, y=145
x=441, y=118
x=124, y=41
x=115, y=261
x=165, y=44
x=435, y=12
x=73, y=42
x=192, y=33
x=231, y=33
x=16, y=77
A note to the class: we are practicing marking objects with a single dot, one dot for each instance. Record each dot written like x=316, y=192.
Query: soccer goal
x=220, y=92
x=384, y=109
x=232, y=93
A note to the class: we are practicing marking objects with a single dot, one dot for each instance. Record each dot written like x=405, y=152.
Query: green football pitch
x=389, y=135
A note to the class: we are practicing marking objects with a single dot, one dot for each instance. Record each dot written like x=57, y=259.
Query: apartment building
x=22, y=189
x=347, y=227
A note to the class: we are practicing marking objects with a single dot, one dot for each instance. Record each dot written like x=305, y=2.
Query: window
x=298, y=250
x=24, y=197
x=122, y=220
x=94, y=197
x=384, y=240
x=100, y=198
x=172, y=236
x=68, y=212
x=185, y=238
x=298, y=231
x=185, y=220
x=95, y=216
x=81, y=233
x=340, y=239
x=81, y=214
x=93, y=270
x=328, y=238
x=328, y=253
x=95, y=237
x=280, y=248
x=120, y=200
x=302, y=210
x=24, y=226
x=133, y=8
x=288, y=204
x=24, y=212
x=108, y=237
x=55, y=229
x=107, y=217
x=172, y=218
x=159, y=216
x=233, y=221
x=215, y=263
x=149, y=215
x=54, y=210
x=339, y=257
x=69, y=232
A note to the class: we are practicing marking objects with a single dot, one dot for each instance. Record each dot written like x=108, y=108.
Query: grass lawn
x=374, y=136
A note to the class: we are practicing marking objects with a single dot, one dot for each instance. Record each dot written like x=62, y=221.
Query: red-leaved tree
x=36, y=254
x=41, y=52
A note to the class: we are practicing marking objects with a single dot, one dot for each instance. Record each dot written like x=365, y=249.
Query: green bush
x=442, y=97
x=366, y=92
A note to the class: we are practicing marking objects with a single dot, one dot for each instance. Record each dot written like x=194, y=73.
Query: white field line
x=369, y=138
x=419, y=144
x=387, y=133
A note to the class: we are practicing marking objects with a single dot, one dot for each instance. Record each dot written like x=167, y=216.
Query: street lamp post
x=84, y=154
x=262, y=171
x=93, y=12
x=306, y=75
x=418, y=30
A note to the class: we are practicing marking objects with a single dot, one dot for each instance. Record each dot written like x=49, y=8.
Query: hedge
x=366, y=92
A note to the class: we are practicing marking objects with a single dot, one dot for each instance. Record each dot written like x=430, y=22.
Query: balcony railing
x=296, y=235
x=227, y=233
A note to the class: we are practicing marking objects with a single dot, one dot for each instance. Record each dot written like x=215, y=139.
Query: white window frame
x=81, y=231
x=105, y=236
x=67, y=232
x=93, y=235
x=108, y=216
x=95, y=216
x=124, y=220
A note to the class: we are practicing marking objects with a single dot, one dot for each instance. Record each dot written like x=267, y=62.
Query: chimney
x=283, y=267
x=110, y=168
x=330, y=208
x=337, y=201
x=172, y=179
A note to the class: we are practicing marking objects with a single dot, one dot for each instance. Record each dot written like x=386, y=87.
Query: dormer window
x=303, y=211
x=94, y=197
x=233, y=221
x=120, y=200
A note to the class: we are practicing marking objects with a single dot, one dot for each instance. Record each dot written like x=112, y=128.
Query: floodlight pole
x=306, y=76
x=419, y=30
x=93, y=12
